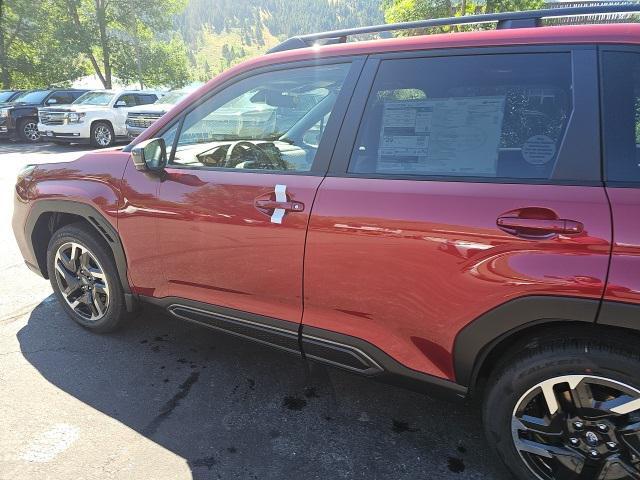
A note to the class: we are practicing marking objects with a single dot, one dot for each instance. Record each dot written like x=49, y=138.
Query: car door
x=620, y=74
x=464, y=180
x=240, y=185
x=121, y=107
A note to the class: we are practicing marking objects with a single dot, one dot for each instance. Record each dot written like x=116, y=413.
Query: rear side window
x=621, y=115
x=497, y=116
x=146, y=99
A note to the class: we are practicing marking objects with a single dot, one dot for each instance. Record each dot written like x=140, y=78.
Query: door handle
x=537, y=228
x=280, y=205
x=273, y=204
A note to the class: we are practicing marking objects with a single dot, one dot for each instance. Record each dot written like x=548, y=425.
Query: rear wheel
x=567, y=410
x=85, y=279
x=28, y=130
x=102, y=135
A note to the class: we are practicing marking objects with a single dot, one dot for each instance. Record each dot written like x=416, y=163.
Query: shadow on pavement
x=234, y=409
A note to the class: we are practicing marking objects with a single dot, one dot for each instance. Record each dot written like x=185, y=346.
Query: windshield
x=35, y=96
x=94, y=98
x=4, y=96
x=173, y=97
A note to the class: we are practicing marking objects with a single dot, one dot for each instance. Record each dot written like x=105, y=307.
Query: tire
x=102, y=135
x=575, y=371
x=91, y=280
x=28, y=130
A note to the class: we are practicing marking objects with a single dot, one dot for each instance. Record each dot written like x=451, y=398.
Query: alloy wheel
x=579, y=427
x=82, y=281
x=31, y=132
x=102, y=135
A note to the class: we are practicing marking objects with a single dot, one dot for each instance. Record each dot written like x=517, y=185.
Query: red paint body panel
x=573, y=34
x=406, y=265
x=218, y=248
x=624, y=277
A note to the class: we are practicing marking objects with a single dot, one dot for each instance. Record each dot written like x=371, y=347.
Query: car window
x=128, y=99
x=94, y=98
x=621, y=115
x=261, y=123
x=75, y=95
x=61, y=98
x=500, y=116
x=145, y=99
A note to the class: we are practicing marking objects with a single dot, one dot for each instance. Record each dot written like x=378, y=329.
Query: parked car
x=454, y=213
x=19, y=117
x=98, y=117
x=7, y=95
x=141, y=117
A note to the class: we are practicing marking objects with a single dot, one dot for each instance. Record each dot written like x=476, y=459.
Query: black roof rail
x=527, y=18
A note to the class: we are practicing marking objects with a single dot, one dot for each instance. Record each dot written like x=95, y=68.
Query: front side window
x=126, y=100
x=621, y=116
x=468, y=116
x=263, y=122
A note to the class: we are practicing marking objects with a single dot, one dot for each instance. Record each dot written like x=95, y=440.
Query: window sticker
x=539, y=150
x=441, y=136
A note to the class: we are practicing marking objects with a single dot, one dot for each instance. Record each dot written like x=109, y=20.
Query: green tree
x=409, y=10
x=31, y=55
x=118, y=37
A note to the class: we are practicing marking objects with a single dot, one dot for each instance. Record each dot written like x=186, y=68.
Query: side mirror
x=120, y=103
x=150, y=155
x=52, y=101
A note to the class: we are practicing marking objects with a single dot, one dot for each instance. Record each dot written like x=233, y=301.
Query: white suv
x=97, y=117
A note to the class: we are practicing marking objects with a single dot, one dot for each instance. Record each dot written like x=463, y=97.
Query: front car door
x=235, y=201
x=121, y=107
x=473, y=180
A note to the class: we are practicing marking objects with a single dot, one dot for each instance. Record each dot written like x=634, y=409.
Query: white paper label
x=457, y=135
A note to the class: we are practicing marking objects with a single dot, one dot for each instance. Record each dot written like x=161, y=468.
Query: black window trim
x=327, y=144
x=602, y=49
x=584, y=72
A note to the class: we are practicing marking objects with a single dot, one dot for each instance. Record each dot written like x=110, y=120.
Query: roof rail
x=528, y=18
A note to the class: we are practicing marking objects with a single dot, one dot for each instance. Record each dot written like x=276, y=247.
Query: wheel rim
x=31, y=132
x=579, y=427
x=82, y=281
x=102, y=135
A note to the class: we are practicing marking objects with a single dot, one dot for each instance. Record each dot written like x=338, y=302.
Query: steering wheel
x=248, y=152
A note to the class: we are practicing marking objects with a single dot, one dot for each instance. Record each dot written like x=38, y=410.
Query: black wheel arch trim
x=620, y=314
x=96, y=220
x=474, y=343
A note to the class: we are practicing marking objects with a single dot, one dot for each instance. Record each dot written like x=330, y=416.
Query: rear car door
x=461, y=181
x=245, y=166
x=620, y=75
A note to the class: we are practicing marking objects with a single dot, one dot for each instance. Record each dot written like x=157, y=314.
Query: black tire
x=28, y=130
x=102, y=135
x=115, y=314
x=556, y=355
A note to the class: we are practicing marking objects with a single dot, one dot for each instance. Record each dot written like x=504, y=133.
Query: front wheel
x=102, y=135
x=567, y=409
x=28, y=130
x=84, y=277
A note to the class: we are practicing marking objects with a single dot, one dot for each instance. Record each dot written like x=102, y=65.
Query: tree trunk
x=136, y=40
x=5, y=78
x=73, y=13
x=101, y=18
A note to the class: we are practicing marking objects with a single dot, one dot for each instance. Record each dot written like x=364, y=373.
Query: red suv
x=453, y=212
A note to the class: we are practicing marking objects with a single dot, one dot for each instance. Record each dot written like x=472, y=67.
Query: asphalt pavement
x=170, y=400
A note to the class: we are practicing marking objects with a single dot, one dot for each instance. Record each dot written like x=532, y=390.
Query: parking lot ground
x=169, y=400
